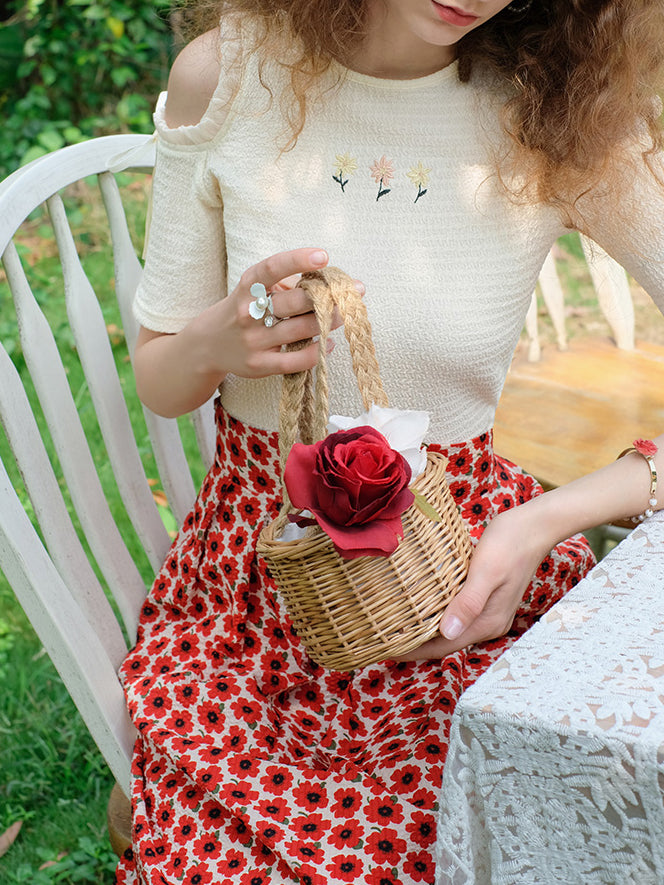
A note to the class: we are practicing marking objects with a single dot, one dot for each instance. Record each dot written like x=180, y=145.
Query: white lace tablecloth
x=556, y=766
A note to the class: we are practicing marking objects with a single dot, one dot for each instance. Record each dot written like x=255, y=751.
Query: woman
x=435, y=153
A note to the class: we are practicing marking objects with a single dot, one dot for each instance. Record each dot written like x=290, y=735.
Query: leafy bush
x=72, y=69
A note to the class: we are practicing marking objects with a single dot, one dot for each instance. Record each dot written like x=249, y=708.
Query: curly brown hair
x=582, y=76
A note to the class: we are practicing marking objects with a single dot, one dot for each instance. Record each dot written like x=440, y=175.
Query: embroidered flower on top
x=382, y=172
x=345, y=166
x=419, y=175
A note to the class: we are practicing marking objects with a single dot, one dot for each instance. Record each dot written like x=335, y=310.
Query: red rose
x=356, y=487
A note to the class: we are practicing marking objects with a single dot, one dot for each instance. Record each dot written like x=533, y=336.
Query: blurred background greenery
x=71, y=69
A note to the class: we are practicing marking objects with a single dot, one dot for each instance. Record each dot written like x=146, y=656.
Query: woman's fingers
x=279, y=267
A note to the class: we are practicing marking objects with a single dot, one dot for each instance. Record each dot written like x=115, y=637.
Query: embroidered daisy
x=382, y=172
x=419, y=175
x=344, y=166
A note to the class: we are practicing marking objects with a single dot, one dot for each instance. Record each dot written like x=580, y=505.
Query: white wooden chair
x=52, y=575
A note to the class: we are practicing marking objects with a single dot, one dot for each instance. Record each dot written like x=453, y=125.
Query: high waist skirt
x=255, y=766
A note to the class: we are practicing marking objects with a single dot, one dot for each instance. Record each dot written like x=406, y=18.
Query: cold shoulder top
x=395, y=179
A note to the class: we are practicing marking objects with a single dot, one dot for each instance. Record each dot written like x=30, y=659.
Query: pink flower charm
x=645, y=447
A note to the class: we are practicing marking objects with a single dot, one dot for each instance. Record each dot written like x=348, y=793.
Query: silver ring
x=261, y=307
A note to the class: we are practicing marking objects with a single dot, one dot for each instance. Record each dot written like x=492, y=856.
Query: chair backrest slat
x=49, y=378
x=89, y=328
x=172, y=465
x=67, y=636
x=60, y=536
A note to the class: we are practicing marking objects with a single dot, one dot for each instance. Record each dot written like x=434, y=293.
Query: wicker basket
x=350, y=613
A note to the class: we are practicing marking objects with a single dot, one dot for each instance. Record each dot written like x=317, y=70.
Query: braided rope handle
x=304, y=406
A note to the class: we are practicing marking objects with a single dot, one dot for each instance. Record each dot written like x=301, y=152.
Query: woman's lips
x=453, y=15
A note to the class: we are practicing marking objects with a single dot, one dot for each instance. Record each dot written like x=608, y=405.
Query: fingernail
x=329, y=345
x=452, y=627
x=360, y=287
x=318, y=258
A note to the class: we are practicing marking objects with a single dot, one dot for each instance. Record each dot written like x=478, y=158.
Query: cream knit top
x=395, y=180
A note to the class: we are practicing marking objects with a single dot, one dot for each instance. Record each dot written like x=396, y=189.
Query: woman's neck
x=391, y=51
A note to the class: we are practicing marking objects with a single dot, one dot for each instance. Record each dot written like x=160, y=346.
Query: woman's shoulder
x=193, y=80
x=202, y=84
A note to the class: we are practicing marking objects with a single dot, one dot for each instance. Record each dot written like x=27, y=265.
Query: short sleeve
x=626, y=218
x=185, y=261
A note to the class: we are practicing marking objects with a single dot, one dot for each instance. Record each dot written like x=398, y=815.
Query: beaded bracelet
x=647, y=449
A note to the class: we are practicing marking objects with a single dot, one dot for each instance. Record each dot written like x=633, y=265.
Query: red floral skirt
x=255, y=766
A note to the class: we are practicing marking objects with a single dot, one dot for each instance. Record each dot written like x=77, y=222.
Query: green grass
x=52, y=777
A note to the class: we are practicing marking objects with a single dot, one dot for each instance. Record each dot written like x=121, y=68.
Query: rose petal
x=377, y=538
x=299, y=477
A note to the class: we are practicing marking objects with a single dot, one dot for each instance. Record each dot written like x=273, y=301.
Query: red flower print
x=235, y=449
x=235, y=739
x=233, y=863
x=310, y=853
x=269, y=832
x=157, y=702
x=460, y=463
x=406, y=777
x=228, y=568
x=420, y=866
x=186, y=647
x=460, y=490
x=309, y=875
x=238, y=540
x=373, y=710
x=207, y=847
x=191, y=797
x=236, y=795
x=276, y=808
x=425, y=799
x=250, y=509
x=275, y=633
x=422, y=829
x=257, y=450
x=261, y=480
x=381, y=876
x=212, y=814
x=345, y=867
x=385, y=846
x=200, y=875
x=209, y=715
x=477, y=510
x=242, y=766
x=310, y=795
x=384, y=811
x=276, y=780
x=187, y=693
x=248, y=712
x=482, y=468
x=185, y=830
x=347, y=835
x=308, y=827
x=176, y=861
x=372, y=683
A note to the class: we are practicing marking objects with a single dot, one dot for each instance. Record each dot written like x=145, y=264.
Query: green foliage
x=72, y=69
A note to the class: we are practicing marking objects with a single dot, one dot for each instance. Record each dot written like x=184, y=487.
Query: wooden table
x=555, y=771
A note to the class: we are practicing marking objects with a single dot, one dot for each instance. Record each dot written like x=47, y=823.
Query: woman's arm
x=516, y=541
x=176, y=373
x=201, y=335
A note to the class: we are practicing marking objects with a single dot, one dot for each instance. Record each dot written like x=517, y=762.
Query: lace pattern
x=555, y=772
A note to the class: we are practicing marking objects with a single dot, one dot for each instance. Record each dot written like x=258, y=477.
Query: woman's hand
x=503, y=564
x=232, y=341
x=177, y=373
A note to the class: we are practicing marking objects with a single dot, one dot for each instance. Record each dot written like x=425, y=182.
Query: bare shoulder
x=193, y=80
